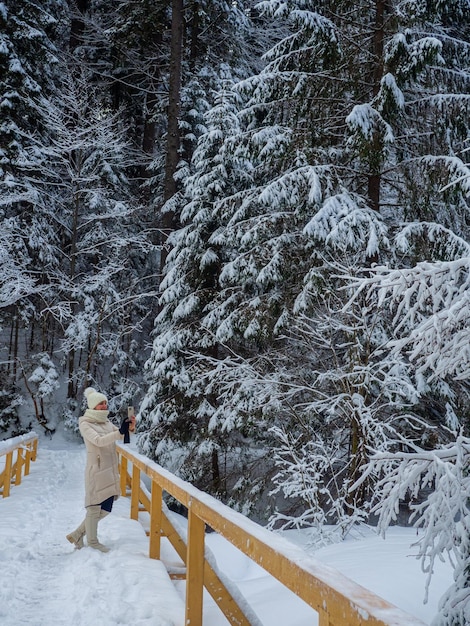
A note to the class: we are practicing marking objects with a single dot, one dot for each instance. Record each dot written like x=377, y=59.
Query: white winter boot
x=93, y=516
x=76, y=537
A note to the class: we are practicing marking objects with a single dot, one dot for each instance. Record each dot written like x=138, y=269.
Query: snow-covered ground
x=45, y=582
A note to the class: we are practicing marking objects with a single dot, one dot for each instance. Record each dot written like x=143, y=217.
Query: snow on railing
x=18, y=452
x=337, y=600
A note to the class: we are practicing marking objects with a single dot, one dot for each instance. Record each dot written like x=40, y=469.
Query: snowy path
x=46, y=582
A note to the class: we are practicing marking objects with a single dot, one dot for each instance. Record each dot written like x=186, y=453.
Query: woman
x=101, y=472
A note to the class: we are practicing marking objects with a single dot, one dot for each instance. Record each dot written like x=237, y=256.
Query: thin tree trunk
x=357, y=459
x=374, y=179
x=13, y=350
x=72, y=387
x=373, y=190
x=10, y=345
x=215, y=471
x=77, y=25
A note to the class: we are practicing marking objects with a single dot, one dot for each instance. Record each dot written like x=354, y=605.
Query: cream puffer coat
x=101, y=471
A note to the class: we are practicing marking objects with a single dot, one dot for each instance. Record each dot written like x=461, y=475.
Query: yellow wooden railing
x=18, y=452
x=337, y=600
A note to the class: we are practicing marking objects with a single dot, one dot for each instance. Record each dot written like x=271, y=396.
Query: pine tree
x=28, y=70
x=205, y=36
x=98, y=285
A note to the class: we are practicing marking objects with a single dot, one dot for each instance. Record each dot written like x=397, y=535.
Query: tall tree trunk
x=374, y=178
x=378, y=43
x=173, y=136
x=195, y=31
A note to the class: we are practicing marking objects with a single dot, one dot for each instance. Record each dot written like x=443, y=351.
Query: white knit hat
x=94, y=397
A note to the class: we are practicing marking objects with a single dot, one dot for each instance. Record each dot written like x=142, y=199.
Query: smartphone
x=130, y=411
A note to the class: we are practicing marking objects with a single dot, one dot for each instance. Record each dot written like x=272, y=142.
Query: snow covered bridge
x=47, y=583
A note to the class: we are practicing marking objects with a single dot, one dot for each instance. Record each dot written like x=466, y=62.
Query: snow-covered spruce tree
x=28, y=68
x=336, y=134
x=381, y=151
x=41, y=383
x=340, y=394
x=139, y=38
x=176, y=414
x=429, y=302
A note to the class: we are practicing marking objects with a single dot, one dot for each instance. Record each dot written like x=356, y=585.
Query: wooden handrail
x=337, y=600
x=19, y=452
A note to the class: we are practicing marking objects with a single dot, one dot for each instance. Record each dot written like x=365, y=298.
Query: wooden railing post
x=123, y=475
x=8, y=466
x=155, y=521
x=194, y=569
x=35, y=449
x=323, y=618
x=19, y=465
x=27, y=463
x=135, y=492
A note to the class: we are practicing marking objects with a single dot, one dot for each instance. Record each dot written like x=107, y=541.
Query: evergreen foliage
x=321, y=161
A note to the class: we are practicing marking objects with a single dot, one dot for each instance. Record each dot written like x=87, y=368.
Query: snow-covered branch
x=436, y=484
x=430, y=304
